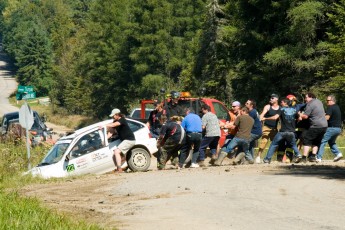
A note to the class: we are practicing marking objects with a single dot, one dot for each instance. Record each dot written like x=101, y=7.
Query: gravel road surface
x=260, y=196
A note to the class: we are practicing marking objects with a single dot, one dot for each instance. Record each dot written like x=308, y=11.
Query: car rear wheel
x=139, y=160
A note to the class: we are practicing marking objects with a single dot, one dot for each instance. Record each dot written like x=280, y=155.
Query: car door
x=90, y=154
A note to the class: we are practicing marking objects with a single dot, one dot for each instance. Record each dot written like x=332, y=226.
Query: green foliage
x=92, y=55
x=305, y=19
x=151, y=84
x=332, y=77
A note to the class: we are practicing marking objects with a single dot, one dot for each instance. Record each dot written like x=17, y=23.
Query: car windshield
x=195, y=104
x=55, y=153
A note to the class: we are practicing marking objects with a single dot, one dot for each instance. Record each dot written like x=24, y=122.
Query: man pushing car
x=126, y=136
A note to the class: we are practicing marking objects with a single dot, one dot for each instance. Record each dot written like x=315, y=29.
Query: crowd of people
x=297, y=132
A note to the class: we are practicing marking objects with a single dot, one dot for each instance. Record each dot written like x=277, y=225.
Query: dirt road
x=275, y=196
x=7, y=84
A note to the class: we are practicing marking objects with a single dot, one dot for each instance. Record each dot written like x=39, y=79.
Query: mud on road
x=261, y=196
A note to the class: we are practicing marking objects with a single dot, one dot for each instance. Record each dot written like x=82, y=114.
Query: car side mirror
x=67, y=158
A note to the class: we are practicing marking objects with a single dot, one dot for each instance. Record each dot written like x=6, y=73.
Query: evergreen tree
x=27, y=41
x=102, y=77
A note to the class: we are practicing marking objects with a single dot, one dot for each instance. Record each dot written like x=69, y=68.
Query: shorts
x=126, y=145
x=313, y=136
x=267, y=134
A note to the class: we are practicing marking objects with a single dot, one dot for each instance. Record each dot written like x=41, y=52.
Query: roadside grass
x=18, y=212
x=27, y=213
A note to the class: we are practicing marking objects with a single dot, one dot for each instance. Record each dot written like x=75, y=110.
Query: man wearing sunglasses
x=270, y=123
x=333, y=117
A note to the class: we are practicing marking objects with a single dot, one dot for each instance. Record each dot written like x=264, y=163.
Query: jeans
x=290, y=139
x=241, y=143
x=253, y=138
x=211, y=142
x=228, y=139
x=330, y=136
x=192, y=139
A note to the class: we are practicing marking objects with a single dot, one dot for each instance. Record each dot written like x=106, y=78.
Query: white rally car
x=88, y=150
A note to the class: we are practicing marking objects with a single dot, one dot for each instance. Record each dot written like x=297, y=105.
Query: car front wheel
x=139, y=160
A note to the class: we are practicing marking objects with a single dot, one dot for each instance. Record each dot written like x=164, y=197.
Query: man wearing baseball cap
x=232, y=115
x=126, y=136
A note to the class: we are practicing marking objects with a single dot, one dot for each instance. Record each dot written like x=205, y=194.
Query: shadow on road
x=6, y=66
x=321, y=171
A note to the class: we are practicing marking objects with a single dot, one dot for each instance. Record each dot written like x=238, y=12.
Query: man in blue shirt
x=193, y=126
x=256, y=132
x=287, y=115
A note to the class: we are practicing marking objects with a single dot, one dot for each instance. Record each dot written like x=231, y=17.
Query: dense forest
x=89, y=56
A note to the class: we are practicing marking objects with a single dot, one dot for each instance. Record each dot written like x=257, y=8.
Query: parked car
x=136, y=113
x=88, y=150
x=39, y=131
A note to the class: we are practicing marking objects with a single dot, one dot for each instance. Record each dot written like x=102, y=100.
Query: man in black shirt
x=126, y=136
x=172, y=108
x=333, y=116
x=270, y=123
x=154, y=119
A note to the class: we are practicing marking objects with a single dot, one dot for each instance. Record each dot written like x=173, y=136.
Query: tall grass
x=27, y=213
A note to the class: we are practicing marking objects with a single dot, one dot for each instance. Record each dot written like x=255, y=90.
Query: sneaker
x=318, y=160
x=304, y=159
x=312, y=158
x=257, y=160
x=338, y=157
x=298, y=159
x=194, y=165
x=265, y=161
x=181, y=166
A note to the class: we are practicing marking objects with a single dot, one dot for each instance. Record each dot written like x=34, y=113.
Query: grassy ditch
x=17, y=212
